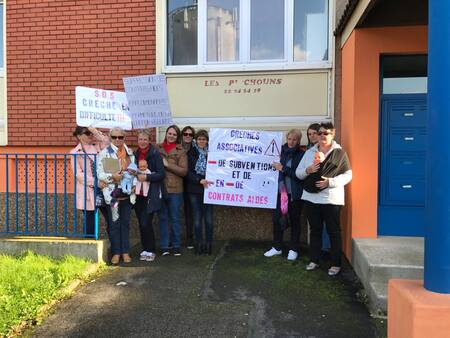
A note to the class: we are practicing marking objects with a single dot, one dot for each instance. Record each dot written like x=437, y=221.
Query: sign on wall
x=148, y=101
x=101, y=108
x=240, y=169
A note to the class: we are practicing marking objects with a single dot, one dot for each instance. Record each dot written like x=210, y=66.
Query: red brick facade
x=53, y=46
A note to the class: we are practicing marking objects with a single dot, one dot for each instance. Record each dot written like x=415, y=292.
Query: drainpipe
x=437, y=234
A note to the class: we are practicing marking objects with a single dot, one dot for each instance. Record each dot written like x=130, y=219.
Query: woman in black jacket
x=148, y=203
x=291, y=154
x=195, y=186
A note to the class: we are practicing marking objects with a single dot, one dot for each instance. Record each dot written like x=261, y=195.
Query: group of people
x=161, y=178
x=153, y=179
x=312, y=181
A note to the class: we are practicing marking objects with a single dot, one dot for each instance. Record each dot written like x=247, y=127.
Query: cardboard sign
x=101, y=108
x=148, y=100
x=240, y=169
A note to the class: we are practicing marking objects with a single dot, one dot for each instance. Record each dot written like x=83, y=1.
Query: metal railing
x=39, y=193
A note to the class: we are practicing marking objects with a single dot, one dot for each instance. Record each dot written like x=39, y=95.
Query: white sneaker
x=143, y=255
x=272, y=252
x=292, y=255
x=312, y=266
x=150, y=257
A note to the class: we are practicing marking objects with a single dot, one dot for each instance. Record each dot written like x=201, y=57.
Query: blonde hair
x=295, y=132
x=145, y=132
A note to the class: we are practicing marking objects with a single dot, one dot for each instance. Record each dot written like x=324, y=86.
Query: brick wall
x=53, y=46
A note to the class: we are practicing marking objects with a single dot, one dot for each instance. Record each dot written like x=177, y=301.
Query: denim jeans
x=119, y=231
x=200, y=212
x=170, y=211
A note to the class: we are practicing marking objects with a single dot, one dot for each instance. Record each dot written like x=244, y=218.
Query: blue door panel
x=400, y=221
x=413, y=165
x=402, y=165
x=406, y=192
x=407, y=115
x=408, y=139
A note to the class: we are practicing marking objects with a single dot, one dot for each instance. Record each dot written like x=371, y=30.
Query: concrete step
x=377, y=260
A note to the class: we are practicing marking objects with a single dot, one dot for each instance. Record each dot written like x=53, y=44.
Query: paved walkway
x=234, y=293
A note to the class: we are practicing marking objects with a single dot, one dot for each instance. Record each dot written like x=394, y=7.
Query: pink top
x=103, y=142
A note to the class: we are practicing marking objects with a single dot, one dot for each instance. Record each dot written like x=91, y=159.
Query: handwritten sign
x=101, y=108
x=240, y=168
x=148, y=101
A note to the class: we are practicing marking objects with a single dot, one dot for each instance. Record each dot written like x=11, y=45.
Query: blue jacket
x=157, y=190
x=296, y=156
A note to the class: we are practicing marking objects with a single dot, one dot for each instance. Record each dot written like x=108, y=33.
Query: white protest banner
x=240, y=169
x=101, y=108
x=148, y=101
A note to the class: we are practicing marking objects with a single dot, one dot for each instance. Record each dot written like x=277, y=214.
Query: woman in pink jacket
x=90, y=143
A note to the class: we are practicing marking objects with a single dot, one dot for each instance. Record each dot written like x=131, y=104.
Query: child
x=128, y=179
x=143, y=186
x=127, y=182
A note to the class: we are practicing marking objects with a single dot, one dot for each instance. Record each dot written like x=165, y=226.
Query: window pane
x=223, y=30
x=311, y=30
x=181, y=32
x=267, y=29
x=1, y=35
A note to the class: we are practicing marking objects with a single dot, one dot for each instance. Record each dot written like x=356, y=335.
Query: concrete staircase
x=376, y=260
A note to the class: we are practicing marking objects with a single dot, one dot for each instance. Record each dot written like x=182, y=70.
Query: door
x=402, y=165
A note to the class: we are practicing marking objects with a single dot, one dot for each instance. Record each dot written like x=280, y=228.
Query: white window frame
x=245, y=64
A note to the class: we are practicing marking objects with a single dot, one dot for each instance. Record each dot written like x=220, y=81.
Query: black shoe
x=165, y=252
x=209, y=249
x=176, y=252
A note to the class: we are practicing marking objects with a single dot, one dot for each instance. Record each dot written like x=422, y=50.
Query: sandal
x=126, y=258
x=115, y=259
x=311, y=266
x=334, y=270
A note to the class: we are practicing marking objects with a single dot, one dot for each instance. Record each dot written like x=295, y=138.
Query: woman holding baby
x=149, y=192
x=119, y=213
x=325, y=170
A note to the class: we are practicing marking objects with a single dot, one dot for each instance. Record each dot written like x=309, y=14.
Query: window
x=218, y=35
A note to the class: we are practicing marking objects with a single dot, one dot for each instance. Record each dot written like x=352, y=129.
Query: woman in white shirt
x=323, y=191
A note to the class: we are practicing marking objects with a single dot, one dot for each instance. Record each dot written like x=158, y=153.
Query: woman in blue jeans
x=176, y=167
x=196, y=184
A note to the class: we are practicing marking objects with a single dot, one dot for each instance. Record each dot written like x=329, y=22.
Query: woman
x=291, y=154
x=147, y=205
x=187, y=134
x=324, y=194
x=175, y=163
x=120, y=214
x=311, y=133
x=90, y=143
x=196, y=184
x=313, y=138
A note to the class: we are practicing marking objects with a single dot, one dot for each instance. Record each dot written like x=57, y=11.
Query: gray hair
x=295, y=132
x=116, y=129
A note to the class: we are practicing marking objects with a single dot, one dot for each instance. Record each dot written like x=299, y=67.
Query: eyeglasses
x=87, y=133
x=117, y=137
x=188, y=134
x=324, y=133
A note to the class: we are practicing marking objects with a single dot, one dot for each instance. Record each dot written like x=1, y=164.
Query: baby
x=128, y=179
x=318, y=157
x=143, y=186
x=127, y=183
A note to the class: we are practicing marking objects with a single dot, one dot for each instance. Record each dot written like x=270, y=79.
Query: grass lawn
x=29, y=281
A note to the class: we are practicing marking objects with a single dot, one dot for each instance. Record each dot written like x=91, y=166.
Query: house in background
x=254, y=64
